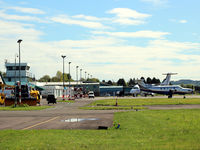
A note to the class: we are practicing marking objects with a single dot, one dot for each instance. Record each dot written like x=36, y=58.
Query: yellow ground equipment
x=2, y=93
x=2, y=98
x=36, y=94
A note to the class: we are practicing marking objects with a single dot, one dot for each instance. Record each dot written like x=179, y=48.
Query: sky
x=108, y=39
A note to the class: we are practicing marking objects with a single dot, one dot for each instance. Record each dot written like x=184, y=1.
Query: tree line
x=67, y=77
x=132, y=81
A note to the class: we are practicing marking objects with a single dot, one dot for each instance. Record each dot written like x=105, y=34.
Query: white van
x=91, y=94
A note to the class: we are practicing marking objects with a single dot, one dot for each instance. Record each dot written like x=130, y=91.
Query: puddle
x=79, y=119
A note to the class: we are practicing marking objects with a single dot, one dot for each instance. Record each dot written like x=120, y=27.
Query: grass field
x=149, y=101
x=66, y=101
x=150, y=129
x=113, y=108
x=10, y=108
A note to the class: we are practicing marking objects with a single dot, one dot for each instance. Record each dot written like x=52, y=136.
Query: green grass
x=149, y=101
x=66, y=101
x=10, y=108
x=112, y=108
x=151, y=129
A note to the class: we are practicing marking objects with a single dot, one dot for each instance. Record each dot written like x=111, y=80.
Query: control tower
x=12, y=72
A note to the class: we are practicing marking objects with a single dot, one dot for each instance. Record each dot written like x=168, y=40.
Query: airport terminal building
x=56, y=88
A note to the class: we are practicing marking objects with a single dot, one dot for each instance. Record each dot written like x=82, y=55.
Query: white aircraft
x=135, y=91
x=164, y=89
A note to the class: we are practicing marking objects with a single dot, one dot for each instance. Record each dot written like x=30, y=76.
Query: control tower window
x=9, y=68
x=23, y=67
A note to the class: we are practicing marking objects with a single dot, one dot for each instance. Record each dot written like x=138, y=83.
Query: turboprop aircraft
x=164, y=89
x=136, y=89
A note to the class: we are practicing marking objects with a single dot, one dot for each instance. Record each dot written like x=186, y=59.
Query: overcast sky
x=109, y=39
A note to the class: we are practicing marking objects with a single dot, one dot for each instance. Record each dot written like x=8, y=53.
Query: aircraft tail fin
x=141, y=83
x=166, y=81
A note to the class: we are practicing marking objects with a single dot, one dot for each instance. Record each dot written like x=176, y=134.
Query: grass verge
x=112, y=108
x=66, y=101
x=27, y=108
x=149, y=101
x=151, y=129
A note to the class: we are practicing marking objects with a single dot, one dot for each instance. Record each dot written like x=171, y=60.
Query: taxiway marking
x=40, y=123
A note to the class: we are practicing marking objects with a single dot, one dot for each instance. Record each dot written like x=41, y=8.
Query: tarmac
x=57, y=117
x=68, y=116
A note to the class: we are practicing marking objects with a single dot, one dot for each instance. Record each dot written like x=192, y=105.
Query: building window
x=23, y=67
x=9, y=68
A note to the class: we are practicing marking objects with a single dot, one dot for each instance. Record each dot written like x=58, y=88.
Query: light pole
x=15, y=80
x=63, y=78
x=88, y=76
x=80, y=74
x=69, y=82
x=69, y=74
x=77, y=75
x=85, y=75
x=20, y=99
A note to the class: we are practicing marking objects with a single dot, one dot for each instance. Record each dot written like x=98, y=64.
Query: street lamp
x=20, y=99
x=15, y=79
x=69, y=82
x=80, y=74
x=77, y=75
x=69, y=74
x=85, y=75
x=63, y=78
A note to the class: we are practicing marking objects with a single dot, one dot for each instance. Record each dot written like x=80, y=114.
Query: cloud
x=156, y=2
x=27, y=10
x=19, y=18
x=68, y=20
x=183, y=21
x=138, y=34
x=128, y=13
x=126, y=16
x=178, y=21
x=109, y=50
x=91, y=18
x=115, y=59
x=14, y=30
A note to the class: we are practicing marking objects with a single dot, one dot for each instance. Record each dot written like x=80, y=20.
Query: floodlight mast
x=20, y=93
x=63, y=78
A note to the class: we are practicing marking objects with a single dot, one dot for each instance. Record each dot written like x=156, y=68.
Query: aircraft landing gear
x=170, y=94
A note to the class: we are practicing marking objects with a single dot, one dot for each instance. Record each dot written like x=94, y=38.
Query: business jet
x=164, y=89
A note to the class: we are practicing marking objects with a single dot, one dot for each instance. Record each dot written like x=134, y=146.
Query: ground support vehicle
x=51, y=99
x=91, y=94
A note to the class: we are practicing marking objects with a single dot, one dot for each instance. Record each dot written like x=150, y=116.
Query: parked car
x=91, y=94
x=51, y=99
